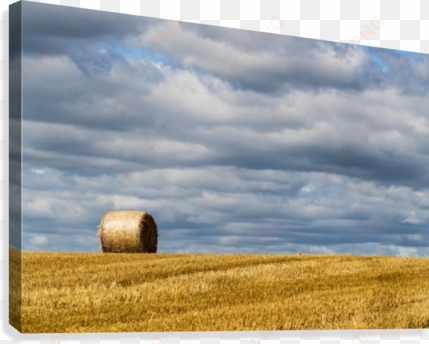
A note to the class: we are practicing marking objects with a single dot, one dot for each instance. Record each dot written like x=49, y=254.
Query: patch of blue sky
x=380, y=63
x=377, y=61
x=148, y=54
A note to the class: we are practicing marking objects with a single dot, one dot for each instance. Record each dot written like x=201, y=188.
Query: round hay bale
x=128, y=232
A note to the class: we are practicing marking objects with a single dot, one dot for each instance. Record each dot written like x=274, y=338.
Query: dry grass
x=15, y=287
x=86, y=292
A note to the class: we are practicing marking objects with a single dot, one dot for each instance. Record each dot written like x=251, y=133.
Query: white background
x=405, y=26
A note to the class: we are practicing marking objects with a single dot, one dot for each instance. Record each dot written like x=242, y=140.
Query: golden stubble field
x=91, y=292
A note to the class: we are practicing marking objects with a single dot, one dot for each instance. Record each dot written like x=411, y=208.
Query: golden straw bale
x=128, y=232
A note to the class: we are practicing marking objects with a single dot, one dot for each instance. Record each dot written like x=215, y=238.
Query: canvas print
x=173, y=176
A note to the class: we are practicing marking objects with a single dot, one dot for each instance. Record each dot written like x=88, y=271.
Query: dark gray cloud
x=111, y=124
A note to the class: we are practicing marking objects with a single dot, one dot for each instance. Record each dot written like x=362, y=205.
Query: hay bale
x=128, y=232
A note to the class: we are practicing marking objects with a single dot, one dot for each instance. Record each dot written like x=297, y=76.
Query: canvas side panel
x=15, y=165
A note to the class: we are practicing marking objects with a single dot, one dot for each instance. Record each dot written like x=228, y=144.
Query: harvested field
x=15, y=287
x=91, y=292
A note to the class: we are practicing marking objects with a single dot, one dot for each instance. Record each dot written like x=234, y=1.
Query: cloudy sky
x=236, y=141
